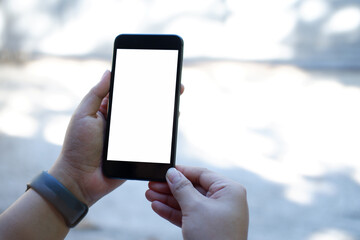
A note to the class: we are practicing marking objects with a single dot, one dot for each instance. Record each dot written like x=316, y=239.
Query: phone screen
x=142, y=108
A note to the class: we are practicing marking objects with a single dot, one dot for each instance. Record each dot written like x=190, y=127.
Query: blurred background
x=272, y=96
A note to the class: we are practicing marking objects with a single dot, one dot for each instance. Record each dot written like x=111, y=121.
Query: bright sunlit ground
x=290, y=135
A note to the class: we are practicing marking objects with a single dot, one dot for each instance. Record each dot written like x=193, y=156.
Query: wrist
x=67, y=179
x=48, y=187
x=53, y=216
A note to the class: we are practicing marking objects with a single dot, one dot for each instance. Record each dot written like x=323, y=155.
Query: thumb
x=92, y=101
x=181, y=188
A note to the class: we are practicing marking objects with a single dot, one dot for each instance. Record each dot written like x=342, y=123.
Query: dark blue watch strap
x=60, y=197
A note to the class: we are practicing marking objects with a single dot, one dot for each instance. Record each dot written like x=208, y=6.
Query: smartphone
x=142, y=120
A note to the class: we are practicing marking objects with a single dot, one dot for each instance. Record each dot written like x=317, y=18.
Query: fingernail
x=173, y=175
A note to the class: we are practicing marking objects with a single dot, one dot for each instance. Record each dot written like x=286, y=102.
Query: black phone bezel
x=142, y=170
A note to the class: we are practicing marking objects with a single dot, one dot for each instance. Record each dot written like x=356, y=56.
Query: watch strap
x=60, y=197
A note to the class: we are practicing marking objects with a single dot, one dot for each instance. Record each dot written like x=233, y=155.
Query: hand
x=204, y=204
x=79, y=165
x=78, y=168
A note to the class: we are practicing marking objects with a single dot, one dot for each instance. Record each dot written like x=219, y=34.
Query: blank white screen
x=143, y=105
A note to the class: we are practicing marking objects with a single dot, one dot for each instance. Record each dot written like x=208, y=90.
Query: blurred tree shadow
x=14, y=39
x=317, y=46
x=312, y=45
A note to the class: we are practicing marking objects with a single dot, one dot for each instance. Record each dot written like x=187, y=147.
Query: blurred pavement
x=290, y=135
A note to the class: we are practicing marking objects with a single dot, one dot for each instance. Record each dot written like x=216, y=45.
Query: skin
x=204, y=204
x=215, y=208
x=78, y=168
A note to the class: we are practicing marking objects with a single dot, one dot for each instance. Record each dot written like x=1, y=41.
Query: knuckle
x=204, y=170
x=241, y=191
x=182, y=185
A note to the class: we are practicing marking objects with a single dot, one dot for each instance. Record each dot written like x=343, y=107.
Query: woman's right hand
x=204, y=204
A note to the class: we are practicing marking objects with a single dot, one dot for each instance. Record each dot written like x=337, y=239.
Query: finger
x=201, y=190
x=182, y=89
x=167, y=199
x=104, y=106
x=172, y=215
x=182, y=189
x=161, y=187
x=200, y=176
x=92, y=101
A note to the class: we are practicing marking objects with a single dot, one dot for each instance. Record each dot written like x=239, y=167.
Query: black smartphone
x=142, y=121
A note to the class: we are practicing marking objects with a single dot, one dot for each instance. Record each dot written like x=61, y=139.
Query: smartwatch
x=60, y=197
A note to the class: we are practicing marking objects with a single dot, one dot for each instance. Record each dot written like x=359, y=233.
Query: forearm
x=32, y=217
